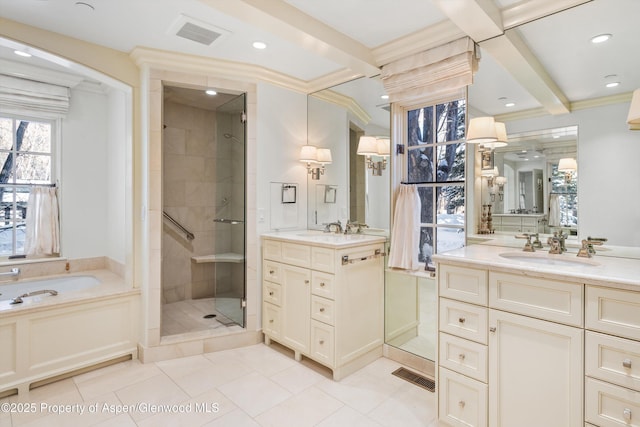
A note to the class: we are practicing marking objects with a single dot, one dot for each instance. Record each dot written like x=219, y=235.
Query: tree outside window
x=436, y=164
x=25, y=159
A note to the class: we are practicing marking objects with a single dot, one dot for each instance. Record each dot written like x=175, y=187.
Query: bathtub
x=59, y=284
x=93, y=319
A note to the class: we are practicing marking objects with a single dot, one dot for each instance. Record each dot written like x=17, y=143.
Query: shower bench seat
x=226, y=257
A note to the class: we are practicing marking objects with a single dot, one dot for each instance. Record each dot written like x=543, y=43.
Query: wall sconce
x=634, y=111
x=500, y=182
x=312, y=156
x=567, y=165
x=369, y=146
x=482, y=130
x=490, y=174
x=501, y=137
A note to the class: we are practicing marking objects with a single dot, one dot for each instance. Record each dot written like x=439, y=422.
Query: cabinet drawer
x=529, y=222
x=271, y=321
x=463, y=320
x=272, y=249
x=511, y=220
x=614, y=311
x=322, y=343
x=608, y=405
x=613, y=359
x=323, y=259
x=463, y=356
x=464, y=284
x=272, y=271
x=322, y=284
x=462, y=402
x=322, y=310
x=272, y=293
x=545, y=299
x=295, y=254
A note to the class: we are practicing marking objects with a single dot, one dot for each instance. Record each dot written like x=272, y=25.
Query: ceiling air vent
x=197, y=31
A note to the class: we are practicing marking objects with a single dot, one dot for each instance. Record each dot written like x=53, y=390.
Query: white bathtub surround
x=43, y=227
x=47, y=335
x=48, y=266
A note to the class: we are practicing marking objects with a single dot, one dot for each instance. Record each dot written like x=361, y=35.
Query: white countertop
x=329, y=240
x=623, y=273
x=534, y=215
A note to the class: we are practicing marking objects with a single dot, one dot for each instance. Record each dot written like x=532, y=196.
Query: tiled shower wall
x=191, y=160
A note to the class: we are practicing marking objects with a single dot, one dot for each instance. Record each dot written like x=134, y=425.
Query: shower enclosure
x=203, y=191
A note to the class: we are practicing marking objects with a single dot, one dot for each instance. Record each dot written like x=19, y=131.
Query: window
x=436, y=164
x=26, y=158
x=566, y=192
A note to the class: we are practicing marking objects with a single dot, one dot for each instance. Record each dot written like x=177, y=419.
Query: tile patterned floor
x=252, y=386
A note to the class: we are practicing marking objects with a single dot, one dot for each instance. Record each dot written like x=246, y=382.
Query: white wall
x=608, y=172
x=281, y=131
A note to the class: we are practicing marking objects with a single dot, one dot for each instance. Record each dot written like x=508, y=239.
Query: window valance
x=438, y=73
x=22, y=95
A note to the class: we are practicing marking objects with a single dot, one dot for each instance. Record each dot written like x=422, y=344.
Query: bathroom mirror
x=337, y=118
x=594, y=133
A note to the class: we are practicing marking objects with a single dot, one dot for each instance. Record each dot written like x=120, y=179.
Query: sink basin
x=545, y=258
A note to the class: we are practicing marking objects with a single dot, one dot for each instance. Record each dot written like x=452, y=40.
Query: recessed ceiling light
x=384, y=96
x=510, y=104
x=210, y=92
x=612, y=84
x=600, y=38
x=21, y=53
x=259, y=45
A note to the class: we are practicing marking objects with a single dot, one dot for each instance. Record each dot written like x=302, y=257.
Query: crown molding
x=344, y=101
x=225, y=69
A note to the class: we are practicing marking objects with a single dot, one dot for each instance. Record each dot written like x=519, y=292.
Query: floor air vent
x=416, y=379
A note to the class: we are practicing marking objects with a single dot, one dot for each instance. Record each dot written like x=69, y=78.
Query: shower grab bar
x=228, y=221
x=190, y=235
x=346, y=260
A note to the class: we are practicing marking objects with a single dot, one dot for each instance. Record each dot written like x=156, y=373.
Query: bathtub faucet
x=13, y=272
x=18, y=300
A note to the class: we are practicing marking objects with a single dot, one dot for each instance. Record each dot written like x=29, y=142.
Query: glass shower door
x=230, y=230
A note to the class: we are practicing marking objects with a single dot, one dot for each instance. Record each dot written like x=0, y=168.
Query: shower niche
x=203, y=199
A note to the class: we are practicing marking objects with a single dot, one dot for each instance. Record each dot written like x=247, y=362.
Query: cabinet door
x=296, y=311
x=535, y=372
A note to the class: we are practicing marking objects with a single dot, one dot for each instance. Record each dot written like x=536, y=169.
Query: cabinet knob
x=271, y=271
x=461, y=319
x=322, y=284
x=270, y=293
x=270, y=320
x=461, y=404
x=626, y=363
x=321, y=309
x=306, y=282
x=321, y=342
x=626, y=413
x=461, y=356
x=492, y=329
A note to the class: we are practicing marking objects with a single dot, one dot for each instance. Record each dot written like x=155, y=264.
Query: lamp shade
x=482, y=130
x=501, y=180
x=634, y=111
x=567, y=164
x=368, y=146
x=308, y=154
x=324, y=156
x=501, y=135
x=384, y=146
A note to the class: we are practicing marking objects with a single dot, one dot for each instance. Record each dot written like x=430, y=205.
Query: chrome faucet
x=557, y=243
x=337, y=225
x=358, y=226
x=18, y=300
x=587, y=250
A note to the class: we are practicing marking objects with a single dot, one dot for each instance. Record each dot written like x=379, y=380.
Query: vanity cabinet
x=510, y=349
x=612, y=357
x=513, y=223
x=323, y=302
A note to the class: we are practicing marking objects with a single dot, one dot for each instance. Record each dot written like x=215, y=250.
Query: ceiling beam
x=511, y=52
x=285, y=21
x=479, y=19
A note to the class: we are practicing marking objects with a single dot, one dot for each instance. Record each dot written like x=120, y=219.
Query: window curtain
x=437, y=74
x=43, y=227
x=405, y=235
x=18, y=94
